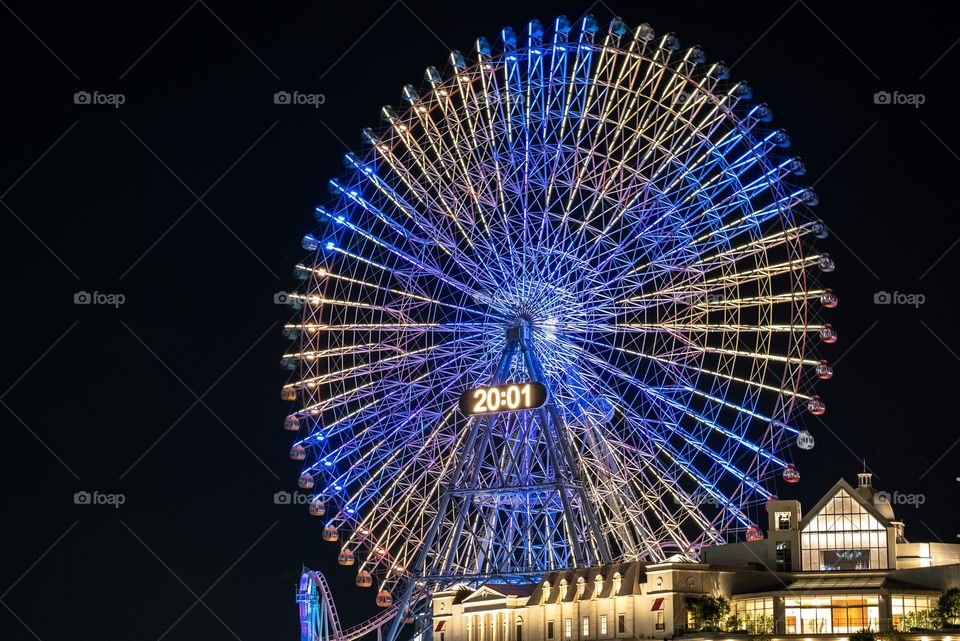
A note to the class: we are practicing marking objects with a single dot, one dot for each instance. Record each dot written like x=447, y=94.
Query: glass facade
x=844, y=536
x=756, y=615
x=911, y=611
x=842, y=614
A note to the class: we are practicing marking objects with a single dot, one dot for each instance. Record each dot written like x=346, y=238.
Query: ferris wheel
x=561, y=311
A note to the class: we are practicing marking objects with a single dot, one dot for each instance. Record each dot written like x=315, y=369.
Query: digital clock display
x=503, y=398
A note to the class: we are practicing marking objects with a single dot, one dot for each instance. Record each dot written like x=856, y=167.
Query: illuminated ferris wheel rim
x=384, y=188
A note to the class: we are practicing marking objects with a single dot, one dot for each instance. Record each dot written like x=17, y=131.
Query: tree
x=863, y=635
x=948, y=607
x=708, y=611
x=733, y=623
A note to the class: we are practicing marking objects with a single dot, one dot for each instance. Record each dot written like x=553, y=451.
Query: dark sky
x=190, y=198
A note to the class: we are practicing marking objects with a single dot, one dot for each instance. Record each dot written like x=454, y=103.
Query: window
x=782, y=520
x=546, y=591
x=844, y=536
x=519, y=629
x=843, y=614
x=617, y=582
x=581, y=585
x=660, y=625
x=568, y=628
x=756, y=615
x=603, y=624
x=549, y=629
x=911, y=611
x=586, y=626
x=621, y=623
x=784, y=557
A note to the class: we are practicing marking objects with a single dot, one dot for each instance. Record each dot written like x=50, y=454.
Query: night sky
x=190, y=198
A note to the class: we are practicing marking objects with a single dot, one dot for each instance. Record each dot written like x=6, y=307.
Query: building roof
x=854, y=494
x=563, y=584
x=837, y=583
x=499, y=591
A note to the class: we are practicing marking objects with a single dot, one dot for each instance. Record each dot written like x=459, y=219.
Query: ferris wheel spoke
x=700, y=417
x=379, y=367
x=700, y=213
x=416, y=262
x=327, y=274
x=667, y=362
x=686, y=466
x=371, y=439
x=660, y=398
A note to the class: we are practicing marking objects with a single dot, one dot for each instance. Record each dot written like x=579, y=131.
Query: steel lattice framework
x=632, y=212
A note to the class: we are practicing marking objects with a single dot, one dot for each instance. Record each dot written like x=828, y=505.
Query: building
x=842, y=567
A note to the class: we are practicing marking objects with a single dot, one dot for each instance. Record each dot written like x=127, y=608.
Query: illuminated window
x=782, y=520
x=568, y=628
x=836, y=614
x=756, y=615
x=581, y=586
x=546, y=590
x=603, y=624
x=660, y=625
x=844, y=536
x=586, y=626
x=617, y=582
x=911, y=611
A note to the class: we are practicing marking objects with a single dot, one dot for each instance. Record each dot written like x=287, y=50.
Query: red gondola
x=816, y=406
x=824, y=370
x=828, y=334
x=790, y=474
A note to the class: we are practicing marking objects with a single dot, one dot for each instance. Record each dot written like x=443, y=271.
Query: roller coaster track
x=319, y=620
